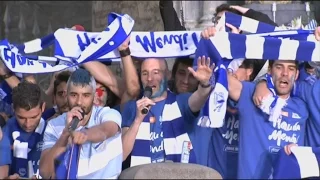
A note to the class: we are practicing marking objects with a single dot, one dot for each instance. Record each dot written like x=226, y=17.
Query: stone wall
x=145, y=13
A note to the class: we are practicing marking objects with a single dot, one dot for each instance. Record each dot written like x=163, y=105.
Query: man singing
x=98, y=133
x=160, y=135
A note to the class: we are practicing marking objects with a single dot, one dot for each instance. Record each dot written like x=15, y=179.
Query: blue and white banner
x=120, y=27
x=75, y=47
x=142, y=44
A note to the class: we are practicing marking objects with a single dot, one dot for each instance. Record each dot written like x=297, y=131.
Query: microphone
x=147, y=93
x=75, y=121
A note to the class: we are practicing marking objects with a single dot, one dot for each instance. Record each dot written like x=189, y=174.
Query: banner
x=120, y=26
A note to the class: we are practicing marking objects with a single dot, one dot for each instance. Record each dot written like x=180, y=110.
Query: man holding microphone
x=97, y=132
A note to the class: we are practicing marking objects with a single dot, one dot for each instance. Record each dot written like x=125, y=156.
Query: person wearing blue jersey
x=5, y=152
x=308, y=91
x=261, y=137
x=25, y=132
x=98, y=133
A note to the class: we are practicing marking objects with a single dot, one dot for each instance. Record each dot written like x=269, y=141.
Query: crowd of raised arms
x=152, y=114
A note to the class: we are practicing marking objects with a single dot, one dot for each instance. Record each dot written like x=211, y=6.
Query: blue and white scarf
x=174, y=135
x=36, y=45
x=67, y=167
x=234, y=46
x=26, y=152
x=120, y=26
x=303, y=162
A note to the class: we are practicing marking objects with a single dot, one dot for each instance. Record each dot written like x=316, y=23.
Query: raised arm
x=110, y=125
x=130, y=73
x=104, y=74
x=234, y=86
x=203, y=75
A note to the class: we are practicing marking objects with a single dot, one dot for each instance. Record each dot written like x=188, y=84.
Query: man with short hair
x=262, y=133
x=98, y=133
x=25, y=132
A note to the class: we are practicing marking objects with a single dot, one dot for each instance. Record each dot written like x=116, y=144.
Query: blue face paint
x=162, y=89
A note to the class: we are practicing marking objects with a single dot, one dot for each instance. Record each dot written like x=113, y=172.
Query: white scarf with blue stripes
x=72, y=47
x=265, y=43
x=119, y=28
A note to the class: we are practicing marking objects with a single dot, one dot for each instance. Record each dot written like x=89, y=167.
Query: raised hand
x=208, y=32
x=204, y=70
x=125, y=44
x=233, y=29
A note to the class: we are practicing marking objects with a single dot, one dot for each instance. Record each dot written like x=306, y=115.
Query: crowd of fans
x=116, y=133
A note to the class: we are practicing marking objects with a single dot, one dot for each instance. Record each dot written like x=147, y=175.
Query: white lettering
x=279, y=136
x=232, y=126
x=154, y=136
x=230, y=136
x=157, y=149
x=279, y=124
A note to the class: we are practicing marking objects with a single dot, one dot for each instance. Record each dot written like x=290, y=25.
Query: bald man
x=160, y=135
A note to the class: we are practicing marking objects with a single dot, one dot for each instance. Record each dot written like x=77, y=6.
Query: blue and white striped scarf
x=234, y=46
x=303, y=162
x=174, y=135
x=68, y=162
x=26, y=152
x=120, y=26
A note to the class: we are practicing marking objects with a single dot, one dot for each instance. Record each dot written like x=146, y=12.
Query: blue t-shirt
x=260, y=140
x=129, y=113
x=200, y=139
x=5, y=149
x=7, y=131
x=224, y=144
x=311, y=95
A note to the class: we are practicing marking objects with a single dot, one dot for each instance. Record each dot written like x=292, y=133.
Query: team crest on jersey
x=22, y=171
x=218, y=101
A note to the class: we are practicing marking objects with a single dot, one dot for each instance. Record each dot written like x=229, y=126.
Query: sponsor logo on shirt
x=295, y=116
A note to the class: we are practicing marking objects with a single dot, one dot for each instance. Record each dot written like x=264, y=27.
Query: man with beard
x=308, y=91
x=263, y=133
x=98, y=133
x=160, y=134
x=25, y=132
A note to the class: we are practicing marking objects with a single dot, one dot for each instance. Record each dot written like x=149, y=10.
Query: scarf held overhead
x=72, y=44
x=120, y=26
x=235, y=46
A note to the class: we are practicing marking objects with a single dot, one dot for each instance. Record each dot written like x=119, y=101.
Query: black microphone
x=147, y=93
x=75, y=121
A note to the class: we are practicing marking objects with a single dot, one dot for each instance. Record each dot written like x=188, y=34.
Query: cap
x=78, y=27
